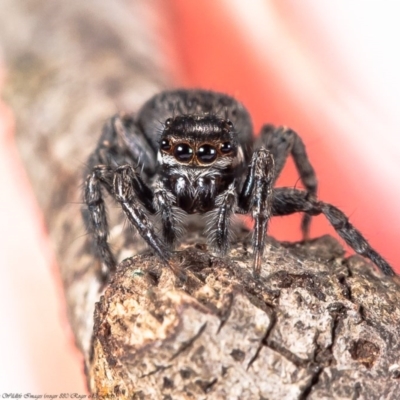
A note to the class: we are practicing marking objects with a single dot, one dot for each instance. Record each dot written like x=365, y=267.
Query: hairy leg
x=170, y=216
x=125, y=195
x=95, y=216
x=288, y=201
x=123, y=142
x=220, y=218
x=281, y=142
x=256, y=197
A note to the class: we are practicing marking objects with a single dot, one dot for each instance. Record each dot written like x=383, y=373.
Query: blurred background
x=330, y=70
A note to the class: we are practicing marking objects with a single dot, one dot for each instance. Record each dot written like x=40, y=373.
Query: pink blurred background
x=329, y=70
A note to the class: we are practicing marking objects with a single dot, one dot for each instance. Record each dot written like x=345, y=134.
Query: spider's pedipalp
x=164, y=203
x=219, y=220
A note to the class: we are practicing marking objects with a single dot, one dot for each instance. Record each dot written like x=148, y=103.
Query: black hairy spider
x=198, y=154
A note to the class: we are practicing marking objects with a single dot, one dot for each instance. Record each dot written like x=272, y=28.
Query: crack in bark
x=314, y=381
x=357, y=391
x=225, y=316
x=296, y=360
x=346, y=289
x=158, y=369
x=206, y=386
x=263, y=340
x=189, y=342
x=338, y=312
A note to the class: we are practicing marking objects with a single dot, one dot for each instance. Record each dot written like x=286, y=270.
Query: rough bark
x=314, y=325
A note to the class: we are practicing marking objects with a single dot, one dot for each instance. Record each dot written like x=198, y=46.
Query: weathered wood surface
x=314, y=325
x=70, y=66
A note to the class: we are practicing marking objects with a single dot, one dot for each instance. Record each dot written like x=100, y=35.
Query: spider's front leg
x=126, y=185
x=134, y=196
x=123, y=143
x=256, y=197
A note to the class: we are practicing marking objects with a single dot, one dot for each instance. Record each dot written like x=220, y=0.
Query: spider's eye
x=168, y=122
x=207, y=154
x=226, y=147
x=183, y=152
x=165, y=145
x=228, y=126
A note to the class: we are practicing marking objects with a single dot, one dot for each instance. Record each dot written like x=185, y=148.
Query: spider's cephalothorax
x=199, y=158
x=198, y=154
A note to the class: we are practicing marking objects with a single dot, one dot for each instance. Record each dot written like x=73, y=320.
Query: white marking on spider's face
x=196, y=174
x=239, y=159
x=180, y=185
x=167, y=159
x=222, y=163
x=160, y=158
x=226, y=161
x=240, y=155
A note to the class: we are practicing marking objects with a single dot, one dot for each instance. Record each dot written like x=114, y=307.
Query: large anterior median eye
x=183, y=152
x=206, y=154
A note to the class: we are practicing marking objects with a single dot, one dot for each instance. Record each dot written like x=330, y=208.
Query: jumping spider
x=198, y=153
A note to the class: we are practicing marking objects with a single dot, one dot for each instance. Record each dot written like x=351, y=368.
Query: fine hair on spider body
x=199, y=154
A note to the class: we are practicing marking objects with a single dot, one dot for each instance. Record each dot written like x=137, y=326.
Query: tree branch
x=314, y=325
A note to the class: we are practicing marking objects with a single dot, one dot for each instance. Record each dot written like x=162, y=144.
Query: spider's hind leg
x=123, y=142
x=281, y=142
x=288, y=201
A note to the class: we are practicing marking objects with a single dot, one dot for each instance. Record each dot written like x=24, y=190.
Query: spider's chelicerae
x=198, y=153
